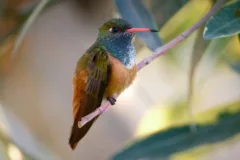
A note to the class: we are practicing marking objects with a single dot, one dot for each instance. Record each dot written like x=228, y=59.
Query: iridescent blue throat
x=120, y=48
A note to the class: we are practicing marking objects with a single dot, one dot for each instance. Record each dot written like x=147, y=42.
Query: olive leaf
x=225, y=23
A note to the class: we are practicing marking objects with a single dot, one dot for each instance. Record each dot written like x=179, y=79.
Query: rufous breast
x=120, y=78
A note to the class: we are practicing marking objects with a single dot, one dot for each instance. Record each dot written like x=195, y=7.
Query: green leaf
x=225, y=23
x=168, y=143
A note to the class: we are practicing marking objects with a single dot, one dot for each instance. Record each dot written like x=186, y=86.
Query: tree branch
x=157, y=53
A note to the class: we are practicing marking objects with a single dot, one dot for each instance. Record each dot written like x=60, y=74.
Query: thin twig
x=157, y=53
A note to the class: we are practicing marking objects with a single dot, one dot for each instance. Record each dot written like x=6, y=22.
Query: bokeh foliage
x=175, y=141
x=13, y=15
x=172, y=17
x=214, y=126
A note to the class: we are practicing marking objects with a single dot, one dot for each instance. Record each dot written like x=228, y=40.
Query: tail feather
x=87, y=105
x=78, y=133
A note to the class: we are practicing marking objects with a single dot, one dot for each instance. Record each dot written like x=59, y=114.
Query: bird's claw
x=111, y=100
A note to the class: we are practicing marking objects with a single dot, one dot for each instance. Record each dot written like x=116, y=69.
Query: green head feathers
x=114, y=26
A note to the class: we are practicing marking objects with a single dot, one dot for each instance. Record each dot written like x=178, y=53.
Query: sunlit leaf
x=163, y=10
x=198, y=49
x=188, y=15
x=178, y=24
x=225, y=23
x=212, y=57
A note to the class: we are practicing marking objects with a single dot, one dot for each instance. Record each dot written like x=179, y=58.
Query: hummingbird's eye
x=113, y=30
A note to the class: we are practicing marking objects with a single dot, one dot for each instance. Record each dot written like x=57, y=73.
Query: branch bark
x=157, y=53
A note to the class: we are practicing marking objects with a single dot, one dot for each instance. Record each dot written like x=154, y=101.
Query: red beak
x=133, y=30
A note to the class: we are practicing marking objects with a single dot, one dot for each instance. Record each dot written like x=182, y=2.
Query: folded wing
x=89, y=84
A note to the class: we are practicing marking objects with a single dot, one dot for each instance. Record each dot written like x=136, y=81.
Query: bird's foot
x=111, y=100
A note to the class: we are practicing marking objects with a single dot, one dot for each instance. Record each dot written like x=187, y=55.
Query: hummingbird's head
x=119, y=29
x=116, y=36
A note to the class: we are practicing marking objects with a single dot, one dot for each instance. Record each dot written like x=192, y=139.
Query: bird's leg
x=112, y=100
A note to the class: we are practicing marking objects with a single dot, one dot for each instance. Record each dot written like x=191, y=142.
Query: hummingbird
x=105, y=70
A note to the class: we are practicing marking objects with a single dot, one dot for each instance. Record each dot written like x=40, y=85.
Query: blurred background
x=40, y=43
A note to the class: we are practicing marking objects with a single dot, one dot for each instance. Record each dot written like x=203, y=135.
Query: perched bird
x=106, y=69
